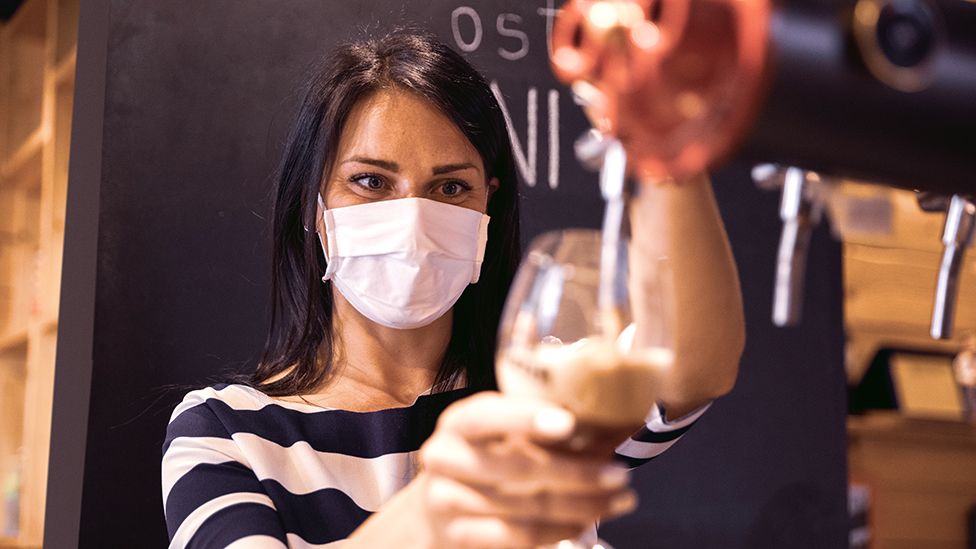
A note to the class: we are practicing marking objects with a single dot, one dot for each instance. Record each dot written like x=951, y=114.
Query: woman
x=360, y=425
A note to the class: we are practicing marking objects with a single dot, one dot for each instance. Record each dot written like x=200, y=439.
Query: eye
x=368, y=181
x=454, y=188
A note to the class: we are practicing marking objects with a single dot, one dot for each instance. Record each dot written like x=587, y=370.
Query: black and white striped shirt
x=240, y=467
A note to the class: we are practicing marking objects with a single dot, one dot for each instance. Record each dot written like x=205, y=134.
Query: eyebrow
x=394, y=167
x=385, y=164
x=448, y=168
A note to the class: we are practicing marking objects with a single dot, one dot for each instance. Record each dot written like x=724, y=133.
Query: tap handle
x=796, y=211
x=613, y=174
x=957, y=235
x=800, y=210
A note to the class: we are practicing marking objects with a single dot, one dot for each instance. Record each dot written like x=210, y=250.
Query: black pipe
x=825, y=110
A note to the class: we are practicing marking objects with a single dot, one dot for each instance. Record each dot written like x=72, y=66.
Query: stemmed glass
x=582, y=330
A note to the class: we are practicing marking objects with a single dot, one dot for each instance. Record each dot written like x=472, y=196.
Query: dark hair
x=301, y=314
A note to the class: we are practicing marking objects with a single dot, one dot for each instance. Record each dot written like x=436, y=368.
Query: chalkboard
x=182, y=110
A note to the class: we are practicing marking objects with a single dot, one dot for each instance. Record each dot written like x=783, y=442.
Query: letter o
x=476, y=19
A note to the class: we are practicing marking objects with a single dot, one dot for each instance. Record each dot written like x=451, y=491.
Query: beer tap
x=684, y=85
x=957, y=235
x=800, y=210
x=598, y=151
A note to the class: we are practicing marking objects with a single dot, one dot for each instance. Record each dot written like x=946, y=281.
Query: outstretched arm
x=682, y=222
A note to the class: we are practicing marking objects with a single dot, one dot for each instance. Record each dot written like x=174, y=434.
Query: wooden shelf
x=13, y=339
x=63, y=103
x=20, y=336
x=30, y=149
x=49, y=324
x=65, y=69
x=920, y=475
x=25, y=48
x=37, y=70
x=9, y=543
x=66, y=29
x=896, y=427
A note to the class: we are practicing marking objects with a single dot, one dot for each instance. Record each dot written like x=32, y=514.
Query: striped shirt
x=240, y=467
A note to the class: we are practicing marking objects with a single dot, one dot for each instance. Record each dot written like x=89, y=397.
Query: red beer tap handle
x=677, y=81
x=615, y=44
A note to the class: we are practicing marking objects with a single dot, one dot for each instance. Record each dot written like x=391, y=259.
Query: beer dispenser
x=806, y=90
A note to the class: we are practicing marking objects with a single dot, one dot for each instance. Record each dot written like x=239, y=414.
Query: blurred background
x=911, y=428
x=37, y=69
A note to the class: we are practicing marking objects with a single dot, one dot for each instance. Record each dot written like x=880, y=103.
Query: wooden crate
x=922, y=477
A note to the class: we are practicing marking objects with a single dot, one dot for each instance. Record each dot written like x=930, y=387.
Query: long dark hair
x=301, y=313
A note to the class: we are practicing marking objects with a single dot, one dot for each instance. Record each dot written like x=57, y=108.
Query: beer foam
x=591, y=377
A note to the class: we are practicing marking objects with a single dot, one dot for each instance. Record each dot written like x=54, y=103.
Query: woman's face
x=395, y=144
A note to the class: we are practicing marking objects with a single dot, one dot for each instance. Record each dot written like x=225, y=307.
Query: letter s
x=512, y=33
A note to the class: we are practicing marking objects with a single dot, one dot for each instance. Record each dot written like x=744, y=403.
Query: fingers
x=484, y=440
x=488, y=415
x=495, y=478
x=493, y=532
x=452, y=498
x=512, y=464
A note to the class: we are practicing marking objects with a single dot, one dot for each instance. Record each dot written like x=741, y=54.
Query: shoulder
x=210, y=491
x=202, y=411
x=239, y=397
x=200, y=436
x=231, y=400
x=220, y=414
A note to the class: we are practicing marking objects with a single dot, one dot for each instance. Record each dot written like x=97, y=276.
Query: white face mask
x=403, y=263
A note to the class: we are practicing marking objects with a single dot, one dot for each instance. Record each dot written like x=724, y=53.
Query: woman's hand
x=492, y=478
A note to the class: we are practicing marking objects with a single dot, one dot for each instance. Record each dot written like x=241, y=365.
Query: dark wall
x=197, y=97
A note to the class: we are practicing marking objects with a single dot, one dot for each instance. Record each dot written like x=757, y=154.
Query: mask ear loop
x=320, y=211
x=482, y=239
